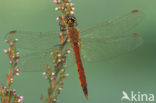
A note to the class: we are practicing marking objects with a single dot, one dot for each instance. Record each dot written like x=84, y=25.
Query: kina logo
x=137, y=97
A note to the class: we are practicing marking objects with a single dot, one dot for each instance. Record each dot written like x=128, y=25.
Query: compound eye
x=70, y=19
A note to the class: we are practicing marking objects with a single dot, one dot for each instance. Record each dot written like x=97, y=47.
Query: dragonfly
x=98, y=42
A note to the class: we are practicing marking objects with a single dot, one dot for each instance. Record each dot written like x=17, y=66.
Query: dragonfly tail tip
x=86, y=95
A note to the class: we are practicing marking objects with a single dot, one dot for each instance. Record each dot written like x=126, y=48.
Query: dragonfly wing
x=95, y=49
x=114, y=27
x=35, y=41
x=36, y=61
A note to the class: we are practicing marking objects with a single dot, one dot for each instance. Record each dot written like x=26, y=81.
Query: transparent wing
x=36, y=61
x=40, y=44
x=114, y=27
x=110, y=39
x=36, y=41
x=95, y=49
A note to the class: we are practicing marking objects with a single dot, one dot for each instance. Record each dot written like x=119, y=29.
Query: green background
x=134, y=71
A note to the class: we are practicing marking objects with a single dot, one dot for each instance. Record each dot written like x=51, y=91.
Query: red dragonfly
x=74, y=39
x=101, y=41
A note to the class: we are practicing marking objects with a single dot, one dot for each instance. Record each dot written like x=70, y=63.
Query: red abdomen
x=80, y=68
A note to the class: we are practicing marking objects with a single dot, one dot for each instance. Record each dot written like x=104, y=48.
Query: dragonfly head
x=70, y=20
